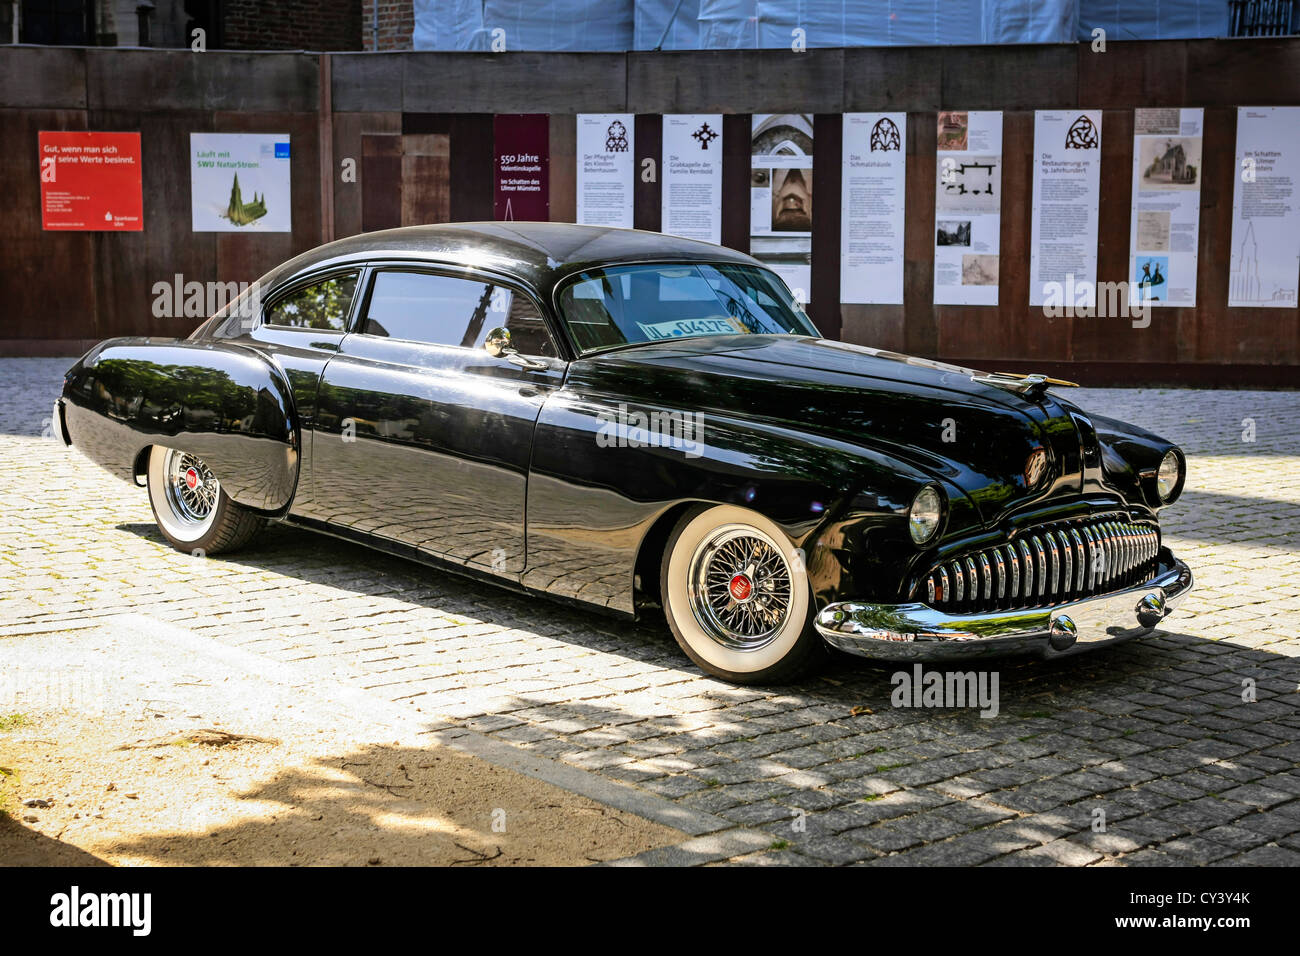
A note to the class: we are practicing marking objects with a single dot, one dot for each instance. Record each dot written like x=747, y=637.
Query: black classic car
x=631, y=421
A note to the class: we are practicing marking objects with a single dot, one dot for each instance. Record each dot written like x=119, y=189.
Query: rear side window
x=323, y=305
x=450, y=310
x=424, y=307
x=520, y=315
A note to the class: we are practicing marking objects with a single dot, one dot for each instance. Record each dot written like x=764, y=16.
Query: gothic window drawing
x=616, y=138
x=1082, y=134
x=884, y=136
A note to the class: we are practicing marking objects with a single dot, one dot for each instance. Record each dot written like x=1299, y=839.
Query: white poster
x=692, y=176
x=873, y=186
x=780, y=197
x=239, y=181
x=1067, y=187
x=605, y=151
x=967, y=207
x=1166, y=215
x=1265, y=209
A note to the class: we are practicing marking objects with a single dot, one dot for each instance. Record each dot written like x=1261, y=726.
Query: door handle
x=523, y=361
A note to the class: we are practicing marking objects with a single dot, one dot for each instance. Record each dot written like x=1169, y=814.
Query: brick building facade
x=391, y=29
x=293, y=25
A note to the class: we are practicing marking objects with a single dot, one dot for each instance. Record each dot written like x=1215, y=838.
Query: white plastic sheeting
x=653, y=16
x=1030, y=21
x=617, y=25
x=1158, y=20
x=738, y=24
x=556, y=25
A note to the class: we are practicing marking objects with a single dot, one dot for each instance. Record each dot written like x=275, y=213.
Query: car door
x=421, y=435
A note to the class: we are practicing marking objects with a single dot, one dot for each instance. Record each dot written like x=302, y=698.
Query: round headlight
x=925, y=514
x=1168, y=475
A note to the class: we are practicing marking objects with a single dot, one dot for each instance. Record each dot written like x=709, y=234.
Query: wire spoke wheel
x=192, y=490
x=194, y=512
x=740, y=587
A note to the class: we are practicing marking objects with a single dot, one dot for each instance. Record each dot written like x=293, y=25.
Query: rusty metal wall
x=399, y=111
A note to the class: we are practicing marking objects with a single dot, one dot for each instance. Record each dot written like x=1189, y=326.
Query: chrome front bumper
x=919, y=632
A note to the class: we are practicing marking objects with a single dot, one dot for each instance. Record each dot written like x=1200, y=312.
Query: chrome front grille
x=1046, y=565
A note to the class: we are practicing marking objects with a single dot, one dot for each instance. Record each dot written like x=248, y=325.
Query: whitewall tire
x=192, y=511
x=737, y=598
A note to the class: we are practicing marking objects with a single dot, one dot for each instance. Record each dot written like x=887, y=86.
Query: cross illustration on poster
x=705, y=135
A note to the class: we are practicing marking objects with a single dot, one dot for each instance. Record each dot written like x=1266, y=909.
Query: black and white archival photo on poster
x=968, y=207
x=781, y=197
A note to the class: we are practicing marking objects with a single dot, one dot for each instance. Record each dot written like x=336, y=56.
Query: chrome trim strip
x=1026, y=565
x=1067, y=564
x=1107, y=536
x=1054, y=564
x=1081, y=565
x=1040, y=564
x=59, y=424
x=1089, y=559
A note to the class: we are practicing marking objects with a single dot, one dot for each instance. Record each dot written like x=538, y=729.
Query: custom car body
x=631, y=421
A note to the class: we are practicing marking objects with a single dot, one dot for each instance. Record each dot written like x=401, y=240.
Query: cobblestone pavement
x=1154, y=733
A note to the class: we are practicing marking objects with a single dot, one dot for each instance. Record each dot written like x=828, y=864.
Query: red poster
x=522, y=162
x=91, y=182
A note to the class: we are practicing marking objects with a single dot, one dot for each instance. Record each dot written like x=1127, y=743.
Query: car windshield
x=627, y=305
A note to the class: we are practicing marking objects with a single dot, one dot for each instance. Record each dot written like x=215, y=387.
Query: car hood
x=975, y=436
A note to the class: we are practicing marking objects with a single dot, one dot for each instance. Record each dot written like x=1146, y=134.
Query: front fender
x=1130, y=457
x=601, y=482
x=225, y=403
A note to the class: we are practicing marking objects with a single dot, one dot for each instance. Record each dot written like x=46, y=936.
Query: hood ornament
x=1031, y=386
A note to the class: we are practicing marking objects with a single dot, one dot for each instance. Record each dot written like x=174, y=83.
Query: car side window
x=518, y=313
x=323, y=305
x=449, y=310
x=426, y=307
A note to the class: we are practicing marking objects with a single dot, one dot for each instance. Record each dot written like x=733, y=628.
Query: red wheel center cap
x=741, y=587
x=191, y=478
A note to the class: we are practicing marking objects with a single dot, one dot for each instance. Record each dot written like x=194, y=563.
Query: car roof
x=539, y=253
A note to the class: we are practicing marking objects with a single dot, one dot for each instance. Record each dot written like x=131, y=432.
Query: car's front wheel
x=192, y=511
x=736, y=597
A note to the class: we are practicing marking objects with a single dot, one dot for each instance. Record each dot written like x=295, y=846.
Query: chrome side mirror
x=498, y=345
x=497, y=342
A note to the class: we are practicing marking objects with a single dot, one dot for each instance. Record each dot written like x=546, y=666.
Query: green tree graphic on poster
x=242, y=213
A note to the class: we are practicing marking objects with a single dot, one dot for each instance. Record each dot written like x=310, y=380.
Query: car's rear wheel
x=192, y=511
x=736, y=597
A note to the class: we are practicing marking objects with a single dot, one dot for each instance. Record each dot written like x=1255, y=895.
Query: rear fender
x=225, y=403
